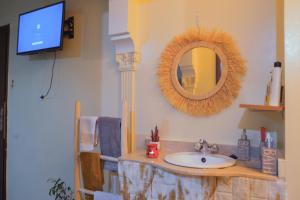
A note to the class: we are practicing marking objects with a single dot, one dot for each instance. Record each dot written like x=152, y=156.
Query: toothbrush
x=263, y=134
x=268, y=142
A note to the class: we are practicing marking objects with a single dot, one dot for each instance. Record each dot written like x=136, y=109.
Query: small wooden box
x=269, y=161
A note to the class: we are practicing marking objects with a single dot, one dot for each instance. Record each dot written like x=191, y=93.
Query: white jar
x=275, y=90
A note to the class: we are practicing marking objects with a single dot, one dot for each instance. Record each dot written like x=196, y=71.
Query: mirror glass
x=199, y=70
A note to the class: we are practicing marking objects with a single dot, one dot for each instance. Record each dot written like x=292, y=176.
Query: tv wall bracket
x=69, y=28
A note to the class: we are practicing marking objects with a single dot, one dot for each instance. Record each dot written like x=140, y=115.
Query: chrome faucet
x=205, y=148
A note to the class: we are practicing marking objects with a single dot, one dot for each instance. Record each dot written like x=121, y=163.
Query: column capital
x=128, y=61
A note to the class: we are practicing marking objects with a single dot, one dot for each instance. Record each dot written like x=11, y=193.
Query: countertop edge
x=234, y=171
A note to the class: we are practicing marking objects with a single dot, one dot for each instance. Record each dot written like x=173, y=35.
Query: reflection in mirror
x=199, y=70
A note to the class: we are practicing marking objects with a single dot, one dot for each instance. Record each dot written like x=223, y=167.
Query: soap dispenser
x=244, y=147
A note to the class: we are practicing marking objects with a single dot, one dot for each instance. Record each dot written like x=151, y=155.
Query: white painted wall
x=40, y=133
x=292, y=81
x=253, y=26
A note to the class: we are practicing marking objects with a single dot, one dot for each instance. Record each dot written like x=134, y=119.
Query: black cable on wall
x=43, y=96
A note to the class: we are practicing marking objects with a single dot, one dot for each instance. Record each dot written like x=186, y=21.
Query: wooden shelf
x=262, y=107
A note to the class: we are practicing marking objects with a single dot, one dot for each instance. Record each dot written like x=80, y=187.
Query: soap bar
x=269, y=161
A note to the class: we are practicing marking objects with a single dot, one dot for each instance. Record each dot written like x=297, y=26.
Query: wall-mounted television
x=41, y=29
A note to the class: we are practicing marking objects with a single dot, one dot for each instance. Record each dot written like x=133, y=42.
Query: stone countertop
x=234, y=171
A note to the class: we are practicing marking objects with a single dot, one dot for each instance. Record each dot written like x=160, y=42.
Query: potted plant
x=155, y=137
x=60, y=191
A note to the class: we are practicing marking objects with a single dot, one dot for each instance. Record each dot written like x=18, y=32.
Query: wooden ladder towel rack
x=77, y=170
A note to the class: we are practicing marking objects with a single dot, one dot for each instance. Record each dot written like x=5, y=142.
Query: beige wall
x=253, y=26
x=280, y=29
x=40, y=133
x=292, y=82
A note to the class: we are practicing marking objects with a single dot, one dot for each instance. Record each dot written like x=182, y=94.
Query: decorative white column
x=120, y=31
x=127, y=65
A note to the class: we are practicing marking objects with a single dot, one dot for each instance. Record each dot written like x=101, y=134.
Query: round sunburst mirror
x=200, y=71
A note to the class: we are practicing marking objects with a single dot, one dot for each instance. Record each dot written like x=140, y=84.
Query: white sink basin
x=198, y=160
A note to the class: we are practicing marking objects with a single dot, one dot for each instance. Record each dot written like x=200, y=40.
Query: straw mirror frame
x=227, y=88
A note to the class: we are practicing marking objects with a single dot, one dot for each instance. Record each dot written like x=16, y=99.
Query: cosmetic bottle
x=244, y=147
x=275, y=89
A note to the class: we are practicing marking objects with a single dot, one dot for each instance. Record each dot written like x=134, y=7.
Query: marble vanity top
x=159, y=162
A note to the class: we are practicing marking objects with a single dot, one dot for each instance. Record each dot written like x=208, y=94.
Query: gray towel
x=109, y=130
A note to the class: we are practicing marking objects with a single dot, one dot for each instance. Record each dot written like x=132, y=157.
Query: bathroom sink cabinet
x=143, y=181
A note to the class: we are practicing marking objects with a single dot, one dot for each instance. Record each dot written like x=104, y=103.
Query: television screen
x=41, y=29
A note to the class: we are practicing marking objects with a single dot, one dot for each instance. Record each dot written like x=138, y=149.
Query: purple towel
x=109, y=134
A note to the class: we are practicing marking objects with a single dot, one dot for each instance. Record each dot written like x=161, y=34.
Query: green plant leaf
x=59, y=190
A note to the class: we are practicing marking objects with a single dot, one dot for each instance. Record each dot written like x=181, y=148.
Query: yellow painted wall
x=252, y=24
x=204, y=62
x=292, y=83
